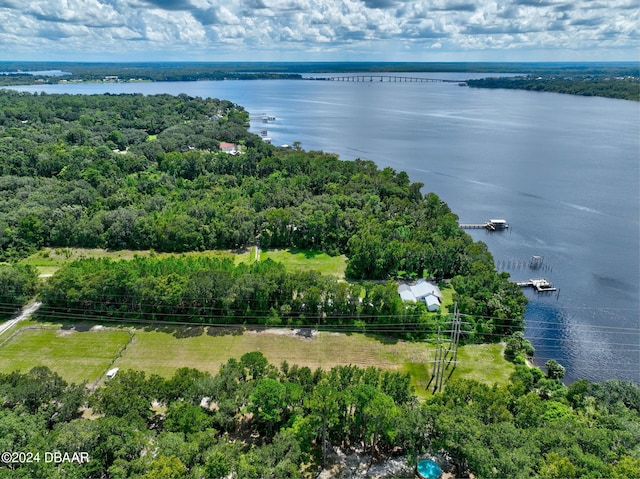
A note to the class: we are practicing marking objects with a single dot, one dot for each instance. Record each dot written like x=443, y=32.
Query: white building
x=424, y=291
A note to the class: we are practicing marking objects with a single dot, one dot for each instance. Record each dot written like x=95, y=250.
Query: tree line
x=18, y=284
x=201, y=289
x=146, y=172
x=624, y=87
x=205, y=290
x=15, y=73
x=256, y=420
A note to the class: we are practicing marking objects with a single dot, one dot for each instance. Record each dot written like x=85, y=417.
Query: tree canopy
x=146, y=172
x=255, y=420
x=624, y=85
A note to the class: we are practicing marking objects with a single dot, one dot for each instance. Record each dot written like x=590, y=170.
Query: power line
x=406, y=327
x=200, y=309
x=347, y=329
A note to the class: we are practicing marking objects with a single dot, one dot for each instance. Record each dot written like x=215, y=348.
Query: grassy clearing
x=481, y=362
x=8, y=333
x=86, y=356
x=74, y=354
x=49, y=260
x=304, y=259
x=164, y=352
x=447, y=300
x=484, y=363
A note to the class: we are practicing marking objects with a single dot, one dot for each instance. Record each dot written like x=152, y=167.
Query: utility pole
x=441, y=355
x=455, y=337
x=435, y=362
x=438, y=365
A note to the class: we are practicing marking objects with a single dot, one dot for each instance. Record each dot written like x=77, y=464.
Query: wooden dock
x=541, y=285
x=477, y=226
x=491, y=225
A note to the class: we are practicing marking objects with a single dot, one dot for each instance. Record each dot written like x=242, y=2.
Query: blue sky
x=320, y=30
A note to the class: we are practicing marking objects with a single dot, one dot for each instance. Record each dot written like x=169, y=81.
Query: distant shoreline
x=329, y=67
x=619, y=80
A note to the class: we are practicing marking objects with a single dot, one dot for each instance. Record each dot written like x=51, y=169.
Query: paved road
x=28, y=311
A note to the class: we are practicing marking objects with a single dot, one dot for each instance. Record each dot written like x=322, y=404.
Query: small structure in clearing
x=230, y=148
x=424, y=291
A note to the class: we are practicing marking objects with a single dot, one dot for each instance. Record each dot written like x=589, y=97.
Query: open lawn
x=76, y=354
x=494, y=368
x=304, y=259
x=85, y=355
x=163, y=352
x=482, y=362
x=49, y=260
x=447, y=300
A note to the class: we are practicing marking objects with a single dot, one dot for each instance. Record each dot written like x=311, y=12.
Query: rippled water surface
x=563, y=170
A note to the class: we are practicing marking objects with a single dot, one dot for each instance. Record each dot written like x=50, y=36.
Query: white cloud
x=292, y=29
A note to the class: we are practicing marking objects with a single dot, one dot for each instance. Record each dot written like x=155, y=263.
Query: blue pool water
x=428, y=469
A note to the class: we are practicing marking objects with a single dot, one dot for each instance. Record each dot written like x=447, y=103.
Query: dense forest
x=129, y=171
x=256, y=420
x=147, y=172
x=621, y=87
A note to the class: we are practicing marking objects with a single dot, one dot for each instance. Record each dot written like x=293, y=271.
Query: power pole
x=455, y=337
x=441, y=368
x=435, y=362
x=441, y=355
x=438, y=366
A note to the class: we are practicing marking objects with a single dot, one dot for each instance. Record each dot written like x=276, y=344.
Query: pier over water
x=384, y=78
x=541, y=285
x=491, y=225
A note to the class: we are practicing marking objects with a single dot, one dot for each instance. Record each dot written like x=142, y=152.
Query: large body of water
x=563, y=170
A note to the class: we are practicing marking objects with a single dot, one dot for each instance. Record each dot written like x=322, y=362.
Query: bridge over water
x=384, y=78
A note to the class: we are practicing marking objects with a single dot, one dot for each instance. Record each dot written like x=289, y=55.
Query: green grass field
x=86, y=356
x=49, y=260
x=163, y=353
x=77, y=356
x=304, y=259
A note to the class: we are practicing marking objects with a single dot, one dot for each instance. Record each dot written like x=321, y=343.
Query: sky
x=320, y=30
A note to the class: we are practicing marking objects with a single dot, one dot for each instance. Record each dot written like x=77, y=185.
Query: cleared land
x=82, y=353
x=50, y=260
x=304, y=259
x=163, y=353
x=76, y=355
x=85, y=354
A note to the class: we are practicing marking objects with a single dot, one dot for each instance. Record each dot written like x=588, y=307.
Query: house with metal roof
x=424, y=291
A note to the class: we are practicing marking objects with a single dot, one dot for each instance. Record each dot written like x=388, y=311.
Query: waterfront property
x=501, y=149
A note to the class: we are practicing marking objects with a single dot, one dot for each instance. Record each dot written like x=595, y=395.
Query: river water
x=563, y=170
